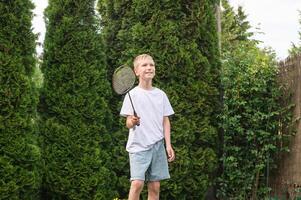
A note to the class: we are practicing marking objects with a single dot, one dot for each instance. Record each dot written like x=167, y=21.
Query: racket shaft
x=135, y=114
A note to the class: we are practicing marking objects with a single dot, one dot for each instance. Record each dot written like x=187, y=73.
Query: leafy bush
x=256, y=110
x=251, y=121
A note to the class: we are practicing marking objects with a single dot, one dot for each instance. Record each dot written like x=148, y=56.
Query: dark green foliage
x=182, y=38
x=235, y=27
x=19, y=151
x=74, y=112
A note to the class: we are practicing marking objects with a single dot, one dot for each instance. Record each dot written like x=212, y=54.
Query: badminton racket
x=123, y=81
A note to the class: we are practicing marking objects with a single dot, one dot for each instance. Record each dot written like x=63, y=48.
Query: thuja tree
x=73, y=107
x=182, y=38
x=19, y=151
x=252, y=115
x=235, y=26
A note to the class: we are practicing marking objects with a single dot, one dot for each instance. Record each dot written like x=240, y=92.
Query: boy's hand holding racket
x=135, y=120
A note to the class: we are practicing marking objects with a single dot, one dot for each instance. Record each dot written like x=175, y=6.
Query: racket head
x=123, y=79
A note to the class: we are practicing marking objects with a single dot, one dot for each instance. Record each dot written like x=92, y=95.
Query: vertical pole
x=268, y=173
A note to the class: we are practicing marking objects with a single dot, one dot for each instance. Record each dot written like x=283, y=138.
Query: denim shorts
x=150, y=165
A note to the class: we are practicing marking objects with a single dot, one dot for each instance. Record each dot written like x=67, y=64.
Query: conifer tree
x=182, y=38
x=73, y=107
x=19, y=151
x=235, y=26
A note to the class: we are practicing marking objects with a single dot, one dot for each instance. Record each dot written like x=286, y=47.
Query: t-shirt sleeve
x=126, y=108
x=167, y=109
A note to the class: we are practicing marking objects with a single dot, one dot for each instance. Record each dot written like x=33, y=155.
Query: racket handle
x=135, y=114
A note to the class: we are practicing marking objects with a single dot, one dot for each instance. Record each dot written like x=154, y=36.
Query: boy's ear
x=136, y=72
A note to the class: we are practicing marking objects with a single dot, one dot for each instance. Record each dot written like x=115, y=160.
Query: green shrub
x=254, y=111
x=252, y=117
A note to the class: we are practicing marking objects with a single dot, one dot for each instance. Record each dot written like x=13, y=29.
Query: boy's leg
x=139, y=163
x=157, y=171
x=153, y=190
x=159, y=166
x=135, y=190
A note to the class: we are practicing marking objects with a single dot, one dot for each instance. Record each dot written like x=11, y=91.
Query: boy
x=148, y=161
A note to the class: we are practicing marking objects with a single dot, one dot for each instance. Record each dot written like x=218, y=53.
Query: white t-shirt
x=151, y=106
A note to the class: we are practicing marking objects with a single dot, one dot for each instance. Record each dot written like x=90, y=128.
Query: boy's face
x=145, y=69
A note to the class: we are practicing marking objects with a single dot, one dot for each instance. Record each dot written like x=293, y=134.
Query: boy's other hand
x=170, y=153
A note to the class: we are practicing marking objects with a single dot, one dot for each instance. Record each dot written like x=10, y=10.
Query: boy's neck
x=145, y=85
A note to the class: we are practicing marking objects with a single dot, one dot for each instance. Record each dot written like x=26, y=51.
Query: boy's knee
x=137, y=185
x=154, y=187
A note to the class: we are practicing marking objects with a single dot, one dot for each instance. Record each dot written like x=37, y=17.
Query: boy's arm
x=132, y=121
x=169, y=149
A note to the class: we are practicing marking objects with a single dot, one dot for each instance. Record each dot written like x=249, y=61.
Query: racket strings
x=123, y=79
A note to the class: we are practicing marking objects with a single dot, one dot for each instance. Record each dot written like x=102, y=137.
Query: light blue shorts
x=150, y=165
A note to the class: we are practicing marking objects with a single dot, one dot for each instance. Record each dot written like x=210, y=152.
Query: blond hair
x=140, y=57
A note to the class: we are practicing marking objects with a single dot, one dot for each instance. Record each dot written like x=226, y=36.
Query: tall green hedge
x=74, y=110
x=182, y=38
x=19, y=151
